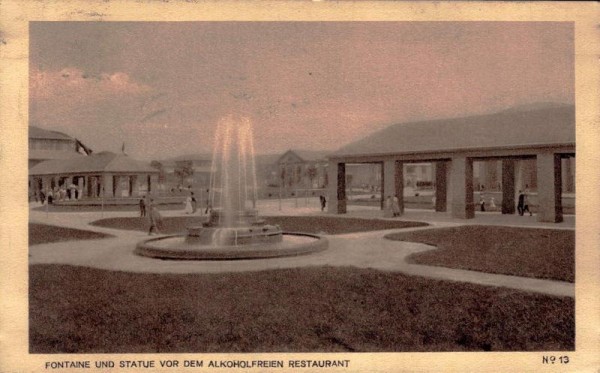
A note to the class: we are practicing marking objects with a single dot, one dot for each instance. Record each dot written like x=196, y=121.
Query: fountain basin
x=233, y=236
x=176, y=247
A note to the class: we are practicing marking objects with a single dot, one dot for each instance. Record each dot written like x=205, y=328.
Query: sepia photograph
x=270, y=195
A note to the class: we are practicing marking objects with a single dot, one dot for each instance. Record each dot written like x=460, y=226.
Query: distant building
x=301, y=169
x=99, y=175
x=47, y=144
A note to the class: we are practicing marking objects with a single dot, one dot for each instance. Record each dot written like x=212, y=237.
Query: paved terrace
x=364, y=249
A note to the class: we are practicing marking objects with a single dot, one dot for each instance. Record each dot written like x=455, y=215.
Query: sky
x=161, y=88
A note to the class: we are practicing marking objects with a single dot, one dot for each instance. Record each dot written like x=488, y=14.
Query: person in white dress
x=395, y=206
x=188, y=205
x=492, y=204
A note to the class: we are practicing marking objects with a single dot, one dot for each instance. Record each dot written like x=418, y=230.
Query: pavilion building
x=529, y=144
x=96, y=176
x=46, y=144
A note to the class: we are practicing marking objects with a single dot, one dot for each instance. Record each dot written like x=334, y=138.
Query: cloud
x=80, y=86
x=96, y=108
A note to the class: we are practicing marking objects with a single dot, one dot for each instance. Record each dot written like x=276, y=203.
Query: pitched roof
x=517, y=127
x=189, y=157
x=311, y=155
x=41, y=133
x=99, y=162
x=307, y=155
x=44, y=154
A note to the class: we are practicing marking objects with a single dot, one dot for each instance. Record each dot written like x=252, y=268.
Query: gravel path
x=364, y=250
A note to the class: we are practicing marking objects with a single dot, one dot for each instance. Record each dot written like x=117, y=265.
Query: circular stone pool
x=176, y=247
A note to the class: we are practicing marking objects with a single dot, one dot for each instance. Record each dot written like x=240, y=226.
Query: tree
x=161, y=171
x=311, y=172
x=183, y=170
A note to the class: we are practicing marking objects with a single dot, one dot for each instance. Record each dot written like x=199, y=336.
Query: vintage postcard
x=299, y=186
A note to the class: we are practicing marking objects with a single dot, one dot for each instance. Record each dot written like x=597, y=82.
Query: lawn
x=89, y=208
x=307, y=224
x=528, y=252
x=83, y=310
x=42, y=233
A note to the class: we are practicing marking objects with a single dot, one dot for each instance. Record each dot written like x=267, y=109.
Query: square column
x=393, y=181
x=440, y=187
x=399, y=184
x=508, y=186
x=108, y=185
x=91, y=184
x=119, y=185
x=549, y=188
x=153, y=187
x=381, y=187
x=337, y=188
x=461, y=175
x=80, y=186
x=135, y=185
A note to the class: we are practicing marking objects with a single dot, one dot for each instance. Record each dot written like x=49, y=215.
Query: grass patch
x=42, y=233
x=307, y=224
x=528, y=252
x=98, y=208
x=82, y=310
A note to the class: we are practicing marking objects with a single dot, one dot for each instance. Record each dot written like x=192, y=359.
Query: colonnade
x=454, y=182
x=108, y=185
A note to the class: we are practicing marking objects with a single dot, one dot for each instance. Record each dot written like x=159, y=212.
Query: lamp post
x=102, y=190
x=46, y=206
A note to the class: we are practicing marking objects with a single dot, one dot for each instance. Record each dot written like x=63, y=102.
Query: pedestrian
x=188, y=205
x=143, y=206
x=50, y=197
x=521, y=203
x=492, y=204
x=388, y=213
x=482, y=202
x=72, y=191
x=42, y=197
x=208, y=206
x=155, y=219
x=323, y=202
x=526, y=202
x=395, y=206
x=194, y=204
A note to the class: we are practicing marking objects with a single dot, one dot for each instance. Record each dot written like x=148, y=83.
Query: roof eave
x=453, y=150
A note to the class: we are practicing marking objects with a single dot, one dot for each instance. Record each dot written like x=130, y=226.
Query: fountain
x=233, y=229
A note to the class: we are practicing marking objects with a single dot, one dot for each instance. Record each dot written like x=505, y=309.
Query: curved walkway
x=364, y=250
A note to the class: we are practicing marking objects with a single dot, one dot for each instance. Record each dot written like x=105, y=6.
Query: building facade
x=46, y=144
x=542, y=138
x=97, y=176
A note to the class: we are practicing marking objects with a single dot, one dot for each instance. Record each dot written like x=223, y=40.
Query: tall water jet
x=233, y=172
x=233, y=229
x=233, y=187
